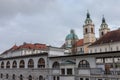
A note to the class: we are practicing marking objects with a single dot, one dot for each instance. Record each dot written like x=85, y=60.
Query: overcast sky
x=49, y=21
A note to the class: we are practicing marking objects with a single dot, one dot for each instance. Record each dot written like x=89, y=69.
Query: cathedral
x=88, y=58
x=107, y=41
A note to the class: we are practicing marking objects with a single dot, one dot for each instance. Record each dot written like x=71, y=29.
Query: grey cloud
x=49, y=21
x=8, y=7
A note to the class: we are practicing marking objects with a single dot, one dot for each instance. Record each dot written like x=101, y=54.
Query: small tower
x=103, y=28
x=88, y=32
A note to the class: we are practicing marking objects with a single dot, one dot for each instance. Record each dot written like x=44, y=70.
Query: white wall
x=67, y=78
x=56, y=52
x=105, y=47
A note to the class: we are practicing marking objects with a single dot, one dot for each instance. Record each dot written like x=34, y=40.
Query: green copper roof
x=68, y=62
x=72, y=35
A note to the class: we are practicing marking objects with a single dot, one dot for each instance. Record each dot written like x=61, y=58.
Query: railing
x=25, y=69
x=99, y=71
x=112, y=72
x=80, y=52
x=96, y=71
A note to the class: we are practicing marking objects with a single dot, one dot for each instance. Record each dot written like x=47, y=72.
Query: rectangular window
x=81, y=78
x=58, y=78
x=111, y=49
x=95, y=50
x=81, y=49
x=69, y=71
x=1, y=75
x=53, y=77
x=87, y=79
x=105, y=49
x=63, y=71
x=90, y=51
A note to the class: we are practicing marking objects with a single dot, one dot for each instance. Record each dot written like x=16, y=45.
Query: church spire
x=104, y=24
x=88, y=15
x=88, y=19
x=103, y=27
x=103, y=19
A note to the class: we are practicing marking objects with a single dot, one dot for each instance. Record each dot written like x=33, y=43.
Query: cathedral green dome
x=72, y=35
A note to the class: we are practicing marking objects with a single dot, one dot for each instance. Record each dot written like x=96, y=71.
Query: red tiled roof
x=27, y=46
x=79, y=43
x=14, y=47
x=112, y=36
x=32, y=46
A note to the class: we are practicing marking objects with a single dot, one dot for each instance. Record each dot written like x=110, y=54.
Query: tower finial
x=88, y=15
x=72, y=31
x=103, y=19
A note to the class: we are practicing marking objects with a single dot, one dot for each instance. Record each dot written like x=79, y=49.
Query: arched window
x=14, y=65
x=30, y=63
x=7, y=76
x=86, y=31
x=92, y=30
x=102, y=33
x=2, y=65
x=13, y=77
x=41, y=63
x=8, y=64
x=40, y=77
x=56, y=65
x=22, y=64
x=21, y=77
x=83, y=64
x=30, y=77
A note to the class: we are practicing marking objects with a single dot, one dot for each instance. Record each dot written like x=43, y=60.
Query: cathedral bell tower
x=103, y=28
x=88, y=32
